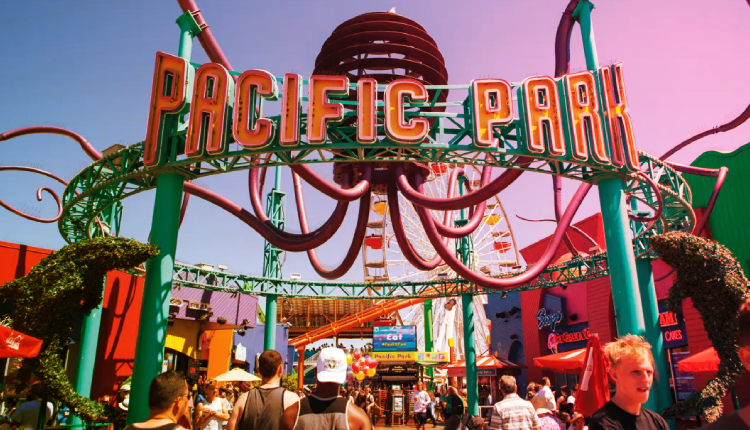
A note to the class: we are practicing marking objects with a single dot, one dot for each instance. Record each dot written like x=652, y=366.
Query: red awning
x=564, y=362
x=704, y=361
x=16, y=344
x=483, y=362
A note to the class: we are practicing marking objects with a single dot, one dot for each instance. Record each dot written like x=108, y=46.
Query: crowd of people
x=329, y=407
x=367, y=347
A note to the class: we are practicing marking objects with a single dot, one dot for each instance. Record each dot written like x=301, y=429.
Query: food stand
x=489, y=368
x=399, y=371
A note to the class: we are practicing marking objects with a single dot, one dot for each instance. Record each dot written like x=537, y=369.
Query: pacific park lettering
x=580, y=117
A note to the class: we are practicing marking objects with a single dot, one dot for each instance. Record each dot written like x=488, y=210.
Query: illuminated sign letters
x=582, y=117
x=548, y=320
x=395, y=338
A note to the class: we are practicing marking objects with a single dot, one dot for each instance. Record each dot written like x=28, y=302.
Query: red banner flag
x=16, y=344
x=593, y=390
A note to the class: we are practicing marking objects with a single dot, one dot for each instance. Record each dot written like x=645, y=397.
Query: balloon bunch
x=361, y=366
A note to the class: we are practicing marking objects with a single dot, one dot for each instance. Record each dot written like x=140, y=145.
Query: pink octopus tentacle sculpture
x=357, y=238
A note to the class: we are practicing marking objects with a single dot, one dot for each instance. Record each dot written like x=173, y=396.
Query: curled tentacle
x=332, y=190
x=718, y=129
x=205, y=37
x=476, y=214
x=562, y=40
x=720, y=175
x=557, y=192
x=488, y=190
x=45, y=129
x=327, y=230
x=503, y=283
x=740, y=119
x=711, y=201
x=38, y=194
x=572, y=227
x=357, y=238
x=399, y=232
x=288, y=242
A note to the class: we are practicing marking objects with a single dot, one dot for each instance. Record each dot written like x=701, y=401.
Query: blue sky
x=87, y=66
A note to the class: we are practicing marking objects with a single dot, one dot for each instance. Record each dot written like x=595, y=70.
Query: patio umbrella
x=483, y=362
x=13, y=343
x=704, y=361
x=565, y=362
x=237, y=375
x=593, y=392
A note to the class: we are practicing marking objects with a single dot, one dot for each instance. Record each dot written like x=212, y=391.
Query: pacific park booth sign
x=580, y=118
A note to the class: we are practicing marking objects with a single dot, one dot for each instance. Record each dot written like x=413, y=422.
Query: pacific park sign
x=580, y=117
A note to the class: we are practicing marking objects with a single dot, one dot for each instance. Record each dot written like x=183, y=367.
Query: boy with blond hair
x=632, y=370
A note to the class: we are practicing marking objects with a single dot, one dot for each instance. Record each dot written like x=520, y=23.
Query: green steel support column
x=428, y=332
x=272, y=257
x=662, y=396
x=465, y=252
x=165, y=223
x=625, y=293
x=269, y=341
x=91, y=323
x=152, y=328
x=632, y=284
x=470, y=356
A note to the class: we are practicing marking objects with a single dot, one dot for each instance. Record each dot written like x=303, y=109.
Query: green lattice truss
x=123, y=174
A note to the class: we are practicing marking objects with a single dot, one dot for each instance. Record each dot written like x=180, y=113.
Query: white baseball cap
x=332, y=365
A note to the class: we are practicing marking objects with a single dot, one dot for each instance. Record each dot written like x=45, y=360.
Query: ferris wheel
x=490, y=249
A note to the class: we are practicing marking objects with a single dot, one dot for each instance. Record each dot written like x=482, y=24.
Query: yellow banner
x=414, y=356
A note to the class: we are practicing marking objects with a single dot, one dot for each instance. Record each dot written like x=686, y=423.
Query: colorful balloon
x=356, y=355
x=349, y=359
x=370, y=372
x=360, y=376
x=355, y=367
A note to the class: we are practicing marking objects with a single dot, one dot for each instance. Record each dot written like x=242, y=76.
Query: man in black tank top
x=269, y=406
x=324, y=409
x=167, y=401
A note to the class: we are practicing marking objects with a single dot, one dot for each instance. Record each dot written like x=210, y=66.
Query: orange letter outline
x=488, y=113
x=169, y=93
x=320, y=110
x=583, y=121
x=397, y=127
x=543, y=107
x=622, y=140
x=367, y=96
x=291, y=109
x=249, y=127
x=209, y=119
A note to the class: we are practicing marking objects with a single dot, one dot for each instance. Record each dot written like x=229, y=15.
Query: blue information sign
x=396, y=338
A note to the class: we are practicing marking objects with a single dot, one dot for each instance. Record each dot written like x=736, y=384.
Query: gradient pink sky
x=90, y=69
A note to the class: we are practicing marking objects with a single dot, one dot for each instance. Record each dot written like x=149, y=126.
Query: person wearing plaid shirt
x=513, y=412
